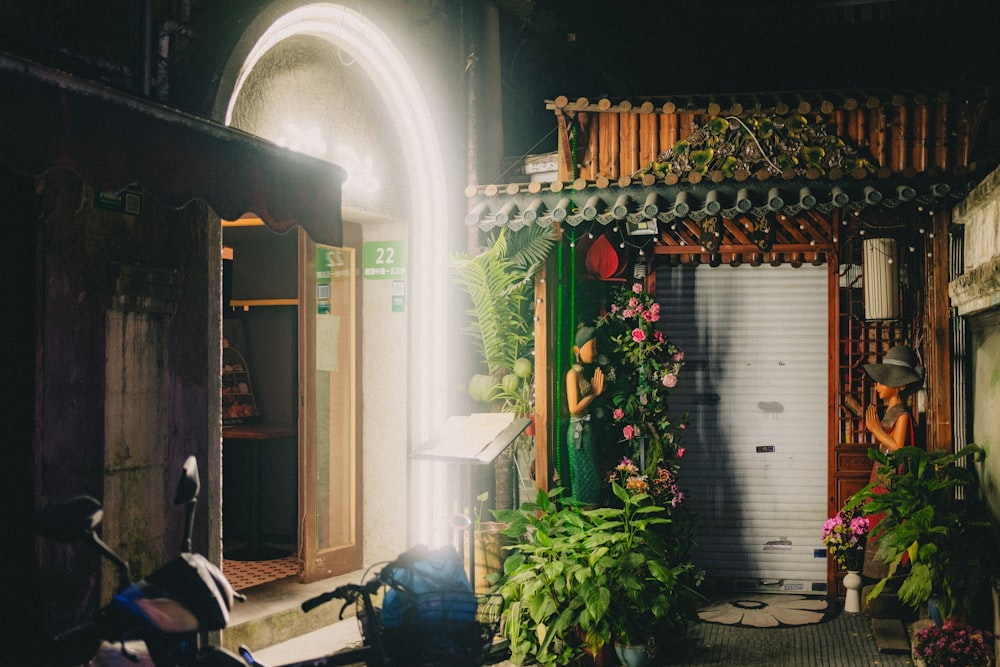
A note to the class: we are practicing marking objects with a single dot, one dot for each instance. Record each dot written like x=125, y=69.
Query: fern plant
x=499, y=281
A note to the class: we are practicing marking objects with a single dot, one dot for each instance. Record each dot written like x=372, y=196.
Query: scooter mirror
x=189, y=484
x=72, y=520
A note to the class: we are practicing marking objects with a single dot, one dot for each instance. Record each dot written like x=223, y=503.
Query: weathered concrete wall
x=978, y=289
x=976, y=295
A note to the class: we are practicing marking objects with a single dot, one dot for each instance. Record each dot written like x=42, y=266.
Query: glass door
x=329, y=446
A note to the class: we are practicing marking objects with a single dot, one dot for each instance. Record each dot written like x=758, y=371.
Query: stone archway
x=362, y=45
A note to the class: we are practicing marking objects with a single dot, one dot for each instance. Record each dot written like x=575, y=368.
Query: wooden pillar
x=545, y=370
x=921, y=147
x=937, y=349
x=878, y=138
x=941, y=140
x=963, y=137
x=609, y=153
x=629, y=143
x=567, y=166
x=668, y=131
x=900, y=136
x=588, y=129
x=649, y=141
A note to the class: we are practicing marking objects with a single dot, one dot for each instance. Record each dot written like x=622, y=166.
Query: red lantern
x=603, y=262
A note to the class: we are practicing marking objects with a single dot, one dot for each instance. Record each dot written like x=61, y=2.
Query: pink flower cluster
x=954, y=644
x=845, y=535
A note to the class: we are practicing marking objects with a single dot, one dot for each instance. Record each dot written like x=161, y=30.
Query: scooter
x=157, y=621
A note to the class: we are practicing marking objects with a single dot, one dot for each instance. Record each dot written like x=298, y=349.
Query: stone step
x=272, y=613
x=887, y=605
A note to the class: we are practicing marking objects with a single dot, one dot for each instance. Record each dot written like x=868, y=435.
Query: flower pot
x=852, y=582
x=632, y=655
x=489, y=553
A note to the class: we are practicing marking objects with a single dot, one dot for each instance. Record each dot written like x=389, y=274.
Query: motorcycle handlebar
x=348, y=592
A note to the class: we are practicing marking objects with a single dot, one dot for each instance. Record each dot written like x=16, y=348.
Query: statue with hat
x=896, y=377
x=585, y=478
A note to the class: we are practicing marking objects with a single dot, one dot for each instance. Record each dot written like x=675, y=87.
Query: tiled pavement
x=844, y=641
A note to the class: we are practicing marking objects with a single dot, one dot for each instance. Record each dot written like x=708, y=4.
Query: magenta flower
x=680, y=452
x=628, y=431
x=650, y=315
x=638, y=335
x=659, y=337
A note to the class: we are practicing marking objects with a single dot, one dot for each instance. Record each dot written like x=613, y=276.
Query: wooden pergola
x=916, y=144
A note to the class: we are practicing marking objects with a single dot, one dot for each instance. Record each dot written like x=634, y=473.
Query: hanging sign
x=710, y=234
x=383, y=260
x=762, y=234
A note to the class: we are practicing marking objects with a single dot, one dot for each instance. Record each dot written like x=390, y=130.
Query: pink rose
x=638, y=335
x=619, y=413
x=628, y=431
x=633, y=302
x=627, y=313
x=659, y=337
x=679, y=355
x=669, y=380
x=615, y=308
x=650, y=316
x=680, y=452
x=637, y=288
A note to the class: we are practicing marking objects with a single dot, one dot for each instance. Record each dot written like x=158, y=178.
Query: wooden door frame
x=318, y=564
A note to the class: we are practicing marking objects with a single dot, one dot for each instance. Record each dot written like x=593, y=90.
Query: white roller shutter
x=755, y=384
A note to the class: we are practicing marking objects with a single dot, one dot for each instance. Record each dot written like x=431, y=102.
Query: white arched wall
x=393, y=518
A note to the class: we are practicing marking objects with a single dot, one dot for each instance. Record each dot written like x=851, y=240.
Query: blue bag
x=427, y=587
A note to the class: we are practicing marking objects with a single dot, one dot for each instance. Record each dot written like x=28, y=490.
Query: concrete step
x=312, y=645
x=272, y=613
x=886, y=606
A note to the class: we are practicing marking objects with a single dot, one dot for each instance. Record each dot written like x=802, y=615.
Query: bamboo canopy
x=745, y=178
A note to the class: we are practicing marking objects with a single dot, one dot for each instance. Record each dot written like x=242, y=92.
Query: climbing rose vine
x=641, y=368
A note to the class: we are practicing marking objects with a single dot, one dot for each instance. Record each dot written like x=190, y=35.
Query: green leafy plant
x=941, y=544
x=499, y=283
x=580, y=578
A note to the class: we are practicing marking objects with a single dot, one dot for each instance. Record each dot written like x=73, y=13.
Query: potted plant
x=644, y=573
x=845, y=535
x=943, y=546
x=579, y=579
x=952, y=644
x=488, y=550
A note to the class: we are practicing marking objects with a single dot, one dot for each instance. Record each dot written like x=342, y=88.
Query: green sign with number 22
x=383, y=260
